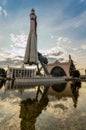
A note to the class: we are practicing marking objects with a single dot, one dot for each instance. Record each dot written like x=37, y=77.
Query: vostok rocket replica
x=31, y=54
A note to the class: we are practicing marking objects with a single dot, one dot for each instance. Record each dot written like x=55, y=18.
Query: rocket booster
x=31, y=55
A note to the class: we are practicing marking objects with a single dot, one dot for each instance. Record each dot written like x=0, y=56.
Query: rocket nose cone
x=32, y=10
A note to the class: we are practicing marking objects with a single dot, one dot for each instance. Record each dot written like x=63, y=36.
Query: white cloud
x=3, y=11
x=58, y=52
x=4, y=53
x=18, y=44
x=63, y=40
x=18, y=41
x=74, y=49
x=17, y=47
x=73, y=22
x=0, y=8
x=83, y=46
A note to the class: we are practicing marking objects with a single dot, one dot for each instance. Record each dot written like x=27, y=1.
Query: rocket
x=31, y=54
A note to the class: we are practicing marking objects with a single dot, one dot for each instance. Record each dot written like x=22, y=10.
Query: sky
x=61, y=27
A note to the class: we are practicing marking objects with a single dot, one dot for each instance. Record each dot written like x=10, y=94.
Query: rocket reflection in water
x=30, y=110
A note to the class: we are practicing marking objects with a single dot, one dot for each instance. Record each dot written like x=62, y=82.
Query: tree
x=2, y=72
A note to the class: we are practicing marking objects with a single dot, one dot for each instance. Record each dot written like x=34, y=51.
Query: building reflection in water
x=71, y=90
x=30, y=110
x=1, y=83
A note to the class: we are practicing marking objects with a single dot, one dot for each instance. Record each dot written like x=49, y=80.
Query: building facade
x=59, y=69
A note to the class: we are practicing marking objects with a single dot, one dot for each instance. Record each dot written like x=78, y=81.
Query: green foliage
x=30, y=110
x=2, y=72
x=76, y=73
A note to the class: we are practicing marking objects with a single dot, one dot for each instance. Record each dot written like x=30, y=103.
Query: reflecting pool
x=57, y=107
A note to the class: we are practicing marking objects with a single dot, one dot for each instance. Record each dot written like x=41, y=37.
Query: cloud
x=16, y=51
x=17, y=47
x=82, y=0
x=4, y=53
x=63, y=40
x=3, y=11
x=73, y=22
x=18, y=41
x=18, y=44
x=74, y=49
x=83, y=46
x=58, y=52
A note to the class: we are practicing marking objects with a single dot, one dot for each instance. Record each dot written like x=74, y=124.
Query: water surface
x=60, y=109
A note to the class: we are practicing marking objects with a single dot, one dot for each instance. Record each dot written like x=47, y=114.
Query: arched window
x=57, y=71
x=59, y=87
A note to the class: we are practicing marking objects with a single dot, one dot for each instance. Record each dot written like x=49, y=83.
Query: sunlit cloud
x=18, y=41
x=63, y=41
x=4, y=53
x=17, y=47
x=74, y=49
x=58, y=51
x=83, y=46
x=18, y=44
x=59, y=33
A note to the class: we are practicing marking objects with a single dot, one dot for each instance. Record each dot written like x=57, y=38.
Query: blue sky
x=61, y=26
